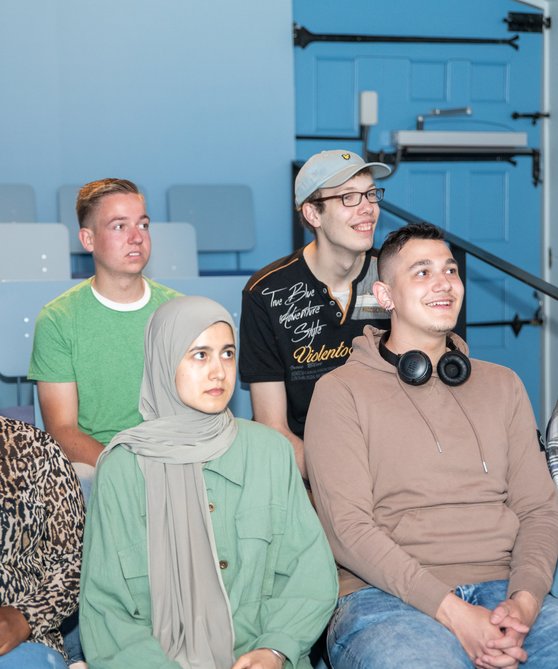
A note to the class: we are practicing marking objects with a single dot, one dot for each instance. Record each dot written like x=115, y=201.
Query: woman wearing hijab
x=202, y=550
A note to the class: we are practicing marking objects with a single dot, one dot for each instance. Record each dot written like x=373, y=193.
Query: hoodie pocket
x=482, y=533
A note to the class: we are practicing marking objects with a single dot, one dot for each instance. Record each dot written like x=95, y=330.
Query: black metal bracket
x=534, y=116
x=482, y=254
x=425, y=154
x=417, y=154
x=303, y=37
x=516, y=323
x=527, y=22
x=332, y=138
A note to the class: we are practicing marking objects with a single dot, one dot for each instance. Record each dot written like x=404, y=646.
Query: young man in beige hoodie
x=431, y=486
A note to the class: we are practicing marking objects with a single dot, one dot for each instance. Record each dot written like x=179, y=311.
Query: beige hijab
x=189, y=605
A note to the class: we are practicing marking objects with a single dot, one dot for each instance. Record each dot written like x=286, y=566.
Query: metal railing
x=460, y=248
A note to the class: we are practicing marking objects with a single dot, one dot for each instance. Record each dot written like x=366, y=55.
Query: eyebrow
x=126, y=218
x=426, y=262
x=352, y=189
x=209, y=348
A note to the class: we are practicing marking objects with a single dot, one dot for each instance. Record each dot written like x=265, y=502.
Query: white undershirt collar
x=342, y=296
x=125, y=306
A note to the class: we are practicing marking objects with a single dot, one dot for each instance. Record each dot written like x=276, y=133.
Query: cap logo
x=346, y=156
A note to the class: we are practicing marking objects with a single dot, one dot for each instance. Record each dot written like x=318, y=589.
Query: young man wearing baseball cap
x=301, y=312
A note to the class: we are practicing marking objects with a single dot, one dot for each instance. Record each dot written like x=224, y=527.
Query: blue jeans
x=70, y=627
x=70, y=635
x=30, y=655
x=371, y=629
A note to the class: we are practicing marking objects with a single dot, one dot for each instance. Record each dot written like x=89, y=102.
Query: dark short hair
x=93, y=192
x=397, y=239
x=320, y=206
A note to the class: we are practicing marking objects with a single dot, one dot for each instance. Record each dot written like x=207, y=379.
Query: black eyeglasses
x=354, y=198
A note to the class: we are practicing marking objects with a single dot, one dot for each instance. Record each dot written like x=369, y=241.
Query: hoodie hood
x=365, y=350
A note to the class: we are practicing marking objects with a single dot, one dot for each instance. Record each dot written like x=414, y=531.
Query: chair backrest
x=20, y=303
x=223, y=215
x=67, y=196
x=174, y=252
x=17, y=203
x=34, y=251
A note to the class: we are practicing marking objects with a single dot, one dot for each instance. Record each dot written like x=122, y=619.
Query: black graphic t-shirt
x=293, y=330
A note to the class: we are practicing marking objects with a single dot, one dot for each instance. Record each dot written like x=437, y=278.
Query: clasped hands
x=491, y=639
x=261, y=658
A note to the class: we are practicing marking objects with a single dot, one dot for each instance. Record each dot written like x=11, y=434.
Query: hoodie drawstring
x=433, y=431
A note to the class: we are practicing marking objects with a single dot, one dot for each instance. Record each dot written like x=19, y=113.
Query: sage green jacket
x=275, y=562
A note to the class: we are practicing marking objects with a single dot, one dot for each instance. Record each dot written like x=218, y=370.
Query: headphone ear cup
x=414, y=368
x=454, y=368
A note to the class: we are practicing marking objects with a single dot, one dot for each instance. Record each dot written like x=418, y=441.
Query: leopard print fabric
x=41, y=530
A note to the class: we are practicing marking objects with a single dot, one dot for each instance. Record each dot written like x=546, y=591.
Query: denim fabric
x=70, y=627
x=70, y=635
x=32, y=656
x=371, y=629
x=554, y=588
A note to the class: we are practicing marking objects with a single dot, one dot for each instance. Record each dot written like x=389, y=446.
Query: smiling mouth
x=440, y=304
x=364, y=227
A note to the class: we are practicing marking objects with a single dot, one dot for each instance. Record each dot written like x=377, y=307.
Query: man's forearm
x=269, y=403
x=298, y=447
x=78, y=446
x=527, y=607
x=60, y=407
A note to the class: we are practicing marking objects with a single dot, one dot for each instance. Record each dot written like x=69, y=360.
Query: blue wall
x=492, y=204
x=158, y=92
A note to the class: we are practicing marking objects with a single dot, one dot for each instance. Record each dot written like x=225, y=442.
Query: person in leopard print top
x=41, y=532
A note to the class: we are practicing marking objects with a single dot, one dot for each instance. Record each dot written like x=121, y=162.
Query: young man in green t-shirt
x=88, y=348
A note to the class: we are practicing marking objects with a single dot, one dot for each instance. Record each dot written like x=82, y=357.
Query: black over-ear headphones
x=415, y=368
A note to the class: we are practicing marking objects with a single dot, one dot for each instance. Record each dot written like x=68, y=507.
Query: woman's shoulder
x=117, y=467
x=262, y=443
x=249, y=430
x=22, y=441
x=118, y=455
x=119, y=483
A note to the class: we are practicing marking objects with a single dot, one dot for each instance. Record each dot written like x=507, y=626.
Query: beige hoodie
x=398, y=476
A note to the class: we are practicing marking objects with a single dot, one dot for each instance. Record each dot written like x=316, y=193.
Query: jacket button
x=211, y=507
x=223, y=564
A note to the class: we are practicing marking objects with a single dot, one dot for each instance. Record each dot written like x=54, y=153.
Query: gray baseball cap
x=332, y=168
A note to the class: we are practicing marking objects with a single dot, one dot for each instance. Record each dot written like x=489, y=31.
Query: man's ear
x=311, y=214
x=382, y=293
x=86, y=239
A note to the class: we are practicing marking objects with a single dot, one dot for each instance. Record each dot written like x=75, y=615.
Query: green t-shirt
x=78, y=339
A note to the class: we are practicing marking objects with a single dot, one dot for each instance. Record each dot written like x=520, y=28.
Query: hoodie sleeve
x=338, y=466
x=532, y=496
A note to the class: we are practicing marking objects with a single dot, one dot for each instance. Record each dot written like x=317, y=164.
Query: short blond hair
x=93, y=192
